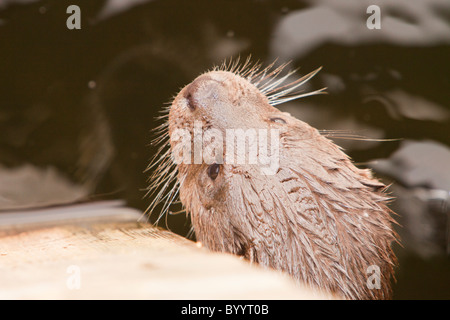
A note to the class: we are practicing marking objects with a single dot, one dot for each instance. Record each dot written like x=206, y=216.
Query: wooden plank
x=128, y=260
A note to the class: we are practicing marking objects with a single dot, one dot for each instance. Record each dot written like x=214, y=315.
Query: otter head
x=214, y=128
x=264, y=185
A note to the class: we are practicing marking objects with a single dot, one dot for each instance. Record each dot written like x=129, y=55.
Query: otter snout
x=202, y=91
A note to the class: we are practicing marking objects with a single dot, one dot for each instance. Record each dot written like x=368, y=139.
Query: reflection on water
x=77, y=107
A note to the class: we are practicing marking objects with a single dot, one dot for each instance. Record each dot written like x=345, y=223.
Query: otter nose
x=190, y=101
x=201, y=89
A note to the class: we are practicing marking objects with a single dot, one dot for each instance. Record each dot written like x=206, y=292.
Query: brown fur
x=319, y=218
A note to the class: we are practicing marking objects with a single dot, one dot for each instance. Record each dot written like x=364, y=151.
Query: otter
x=315, y=215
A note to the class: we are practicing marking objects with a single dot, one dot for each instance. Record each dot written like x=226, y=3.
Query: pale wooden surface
x=124, y=259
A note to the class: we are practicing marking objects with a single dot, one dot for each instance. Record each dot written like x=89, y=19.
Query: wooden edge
x=130, y=260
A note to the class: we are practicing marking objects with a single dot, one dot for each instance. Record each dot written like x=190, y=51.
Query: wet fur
x=319, y=218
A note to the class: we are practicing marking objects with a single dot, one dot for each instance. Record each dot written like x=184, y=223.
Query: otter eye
x=278, y=120
x=213, y=171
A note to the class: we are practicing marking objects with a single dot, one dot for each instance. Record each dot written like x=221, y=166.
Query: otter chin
x=313, y=215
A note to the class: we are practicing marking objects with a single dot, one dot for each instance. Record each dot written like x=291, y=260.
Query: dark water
x=77, y=106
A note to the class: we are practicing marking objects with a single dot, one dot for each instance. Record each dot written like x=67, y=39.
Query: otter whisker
x=172, y=213
x=271, y=76
x=159, y=177
x=160, y=139
x=163, y=162
x=269, y=86
x=190, y=232
x=162, y=117
x=251, y=71
x=243, y=67
x=167, y=203
x=298, y=96
x=235, y=64
x=261, y=75
x=171, y=195
x=346, y=134
x=269, y=92
x=159, y=197
x=158, y=159
x=293, y=85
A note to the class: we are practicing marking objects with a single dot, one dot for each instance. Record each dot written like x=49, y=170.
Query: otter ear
x=213, y=171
